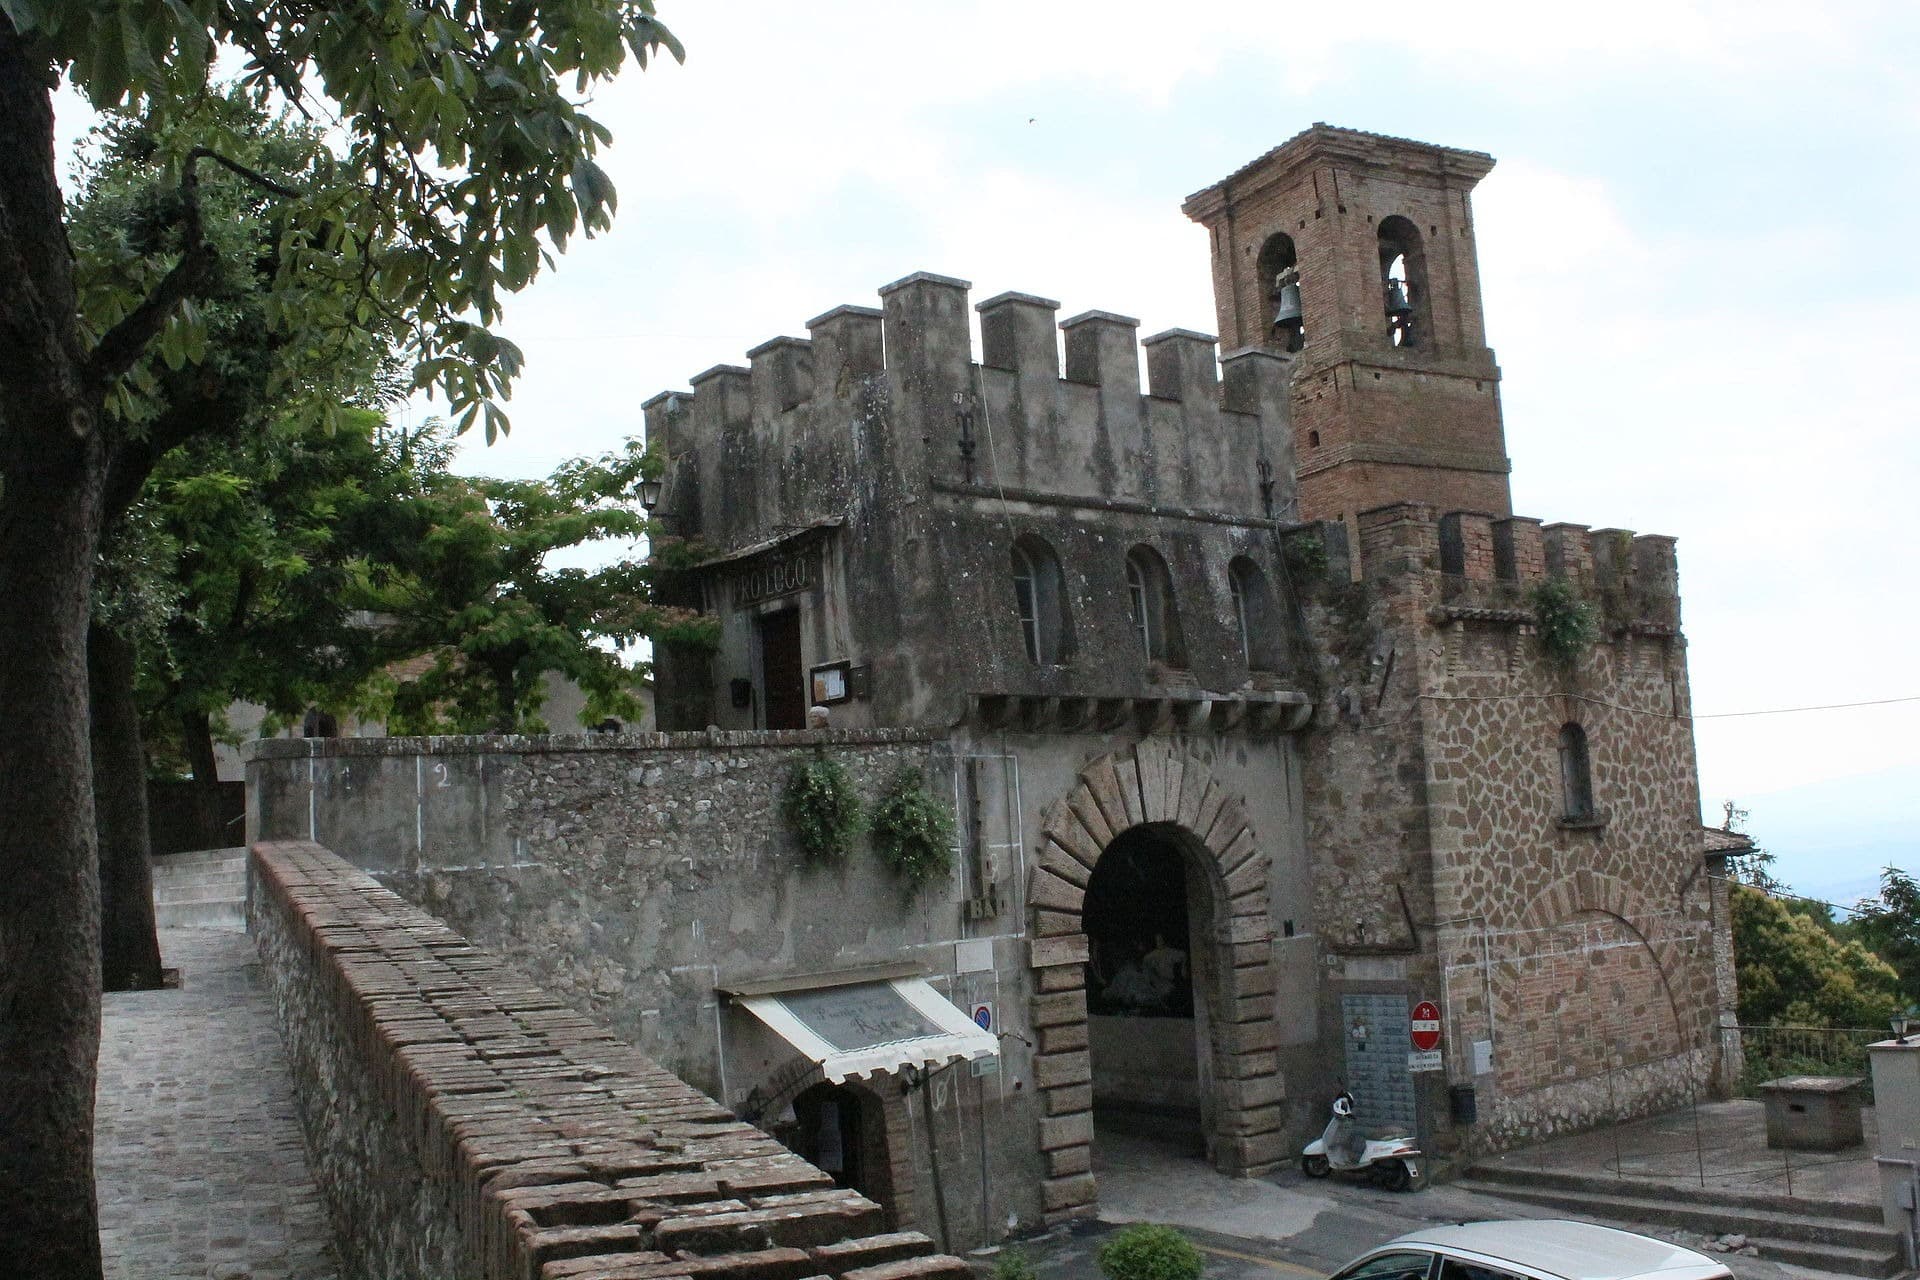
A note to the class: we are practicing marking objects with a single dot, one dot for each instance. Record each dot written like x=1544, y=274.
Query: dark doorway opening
x=842, y=1132
x=782, y=685
x=1146, y=1031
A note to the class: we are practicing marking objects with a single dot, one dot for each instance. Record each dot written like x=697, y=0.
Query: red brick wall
x=1372, y=423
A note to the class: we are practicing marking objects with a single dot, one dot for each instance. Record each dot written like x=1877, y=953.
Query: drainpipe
x=1912, y=1206
x=1486, y=978
x=1486, y=973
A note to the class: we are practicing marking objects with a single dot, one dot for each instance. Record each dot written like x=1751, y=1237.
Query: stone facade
x=1234, y=789
x=640, y=877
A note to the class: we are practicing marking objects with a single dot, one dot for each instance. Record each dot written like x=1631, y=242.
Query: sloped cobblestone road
x=197, y=1145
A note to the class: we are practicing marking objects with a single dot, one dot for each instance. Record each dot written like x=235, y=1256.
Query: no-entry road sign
x=1426, y=1026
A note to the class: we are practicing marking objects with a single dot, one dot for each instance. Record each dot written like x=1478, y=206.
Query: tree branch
x=122, y=346
x=254, y=176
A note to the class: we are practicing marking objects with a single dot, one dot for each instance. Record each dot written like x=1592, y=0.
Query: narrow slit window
x=1576, y=774
x=1253, y=614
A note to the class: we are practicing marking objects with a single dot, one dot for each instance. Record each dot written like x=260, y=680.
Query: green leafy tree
x=1889, y=926
x=459, y=157
x=218, y=369
x=1793, y=972
x=482, y=594
x=279, y=542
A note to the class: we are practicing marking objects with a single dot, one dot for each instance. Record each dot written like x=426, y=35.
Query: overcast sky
x=1696, y=251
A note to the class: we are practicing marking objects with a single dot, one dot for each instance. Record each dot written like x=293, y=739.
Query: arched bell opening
x=1403, y=283
x=1149, y=917
x=1279, y=267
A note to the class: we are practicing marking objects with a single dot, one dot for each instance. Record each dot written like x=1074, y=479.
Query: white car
x=1530, y=1249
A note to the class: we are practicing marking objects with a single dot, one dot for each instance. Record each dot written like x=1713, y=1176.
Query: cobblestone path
x=197, y=1147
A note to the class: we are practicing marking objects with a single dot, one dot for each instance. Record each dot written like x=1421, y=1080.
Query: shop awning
x=861, y=1029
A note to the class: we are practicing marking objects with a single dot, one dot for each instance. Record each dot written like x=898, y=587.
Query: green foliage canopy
x=485, y=592
x=278, y=543
x=453, y=153
x=1793, y=972
x=1889, y=926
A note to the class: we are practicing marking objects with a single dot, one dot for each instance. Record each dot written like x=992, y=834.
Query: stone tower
x=1362, y=246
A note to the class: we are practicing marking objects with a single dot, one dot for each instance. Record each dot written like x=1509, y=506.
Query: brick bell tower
x=1355, y=251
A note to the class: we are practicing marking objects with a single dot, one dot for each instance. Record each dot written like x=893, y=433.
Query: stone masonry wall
x=636, y=877
x=461, y=1122
x=1576, y=951
x=628, y=875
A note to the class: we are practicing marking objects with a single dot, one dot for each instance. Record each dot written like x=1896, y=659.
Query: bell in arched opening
x=1279, y=264
x=1289, y=321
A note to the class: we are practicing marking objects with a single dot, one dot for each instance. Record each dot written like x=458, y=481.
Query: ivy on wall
x=822, y=809
x=913, y=829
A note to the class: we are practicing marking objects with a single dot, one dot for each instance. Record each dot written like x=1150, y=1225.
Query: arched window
x=1279, y=268
x=1576, y=775
x=1155, y=619
x=1403, y=282
x=1253, y=614
x=1039, y=593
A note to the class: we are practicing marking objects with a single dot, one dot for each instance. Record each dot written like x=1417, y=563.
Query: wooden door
x=782, y=682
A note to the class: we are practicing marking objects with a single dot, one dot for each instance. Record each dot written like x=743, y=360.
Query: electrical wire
x=1659, y=715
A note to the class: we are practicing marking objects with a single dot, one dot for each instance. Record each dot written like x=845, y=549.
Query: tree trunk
x=129, y=943
x=506, y=696
x=50, y=909
x=52, y=467
x=196, y=735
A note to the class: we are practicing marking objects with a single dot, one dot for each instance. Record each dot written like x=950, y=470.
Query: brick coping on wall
x=556, y=743
x=562, y=1153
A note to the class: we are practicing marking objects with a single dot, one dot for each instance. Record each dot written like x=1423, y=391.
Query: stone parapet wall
x=462, y=1122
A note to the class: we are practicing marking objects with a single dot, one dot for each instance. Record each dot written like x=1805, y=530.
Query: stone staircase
x=202, y=890
x=1826, y=1235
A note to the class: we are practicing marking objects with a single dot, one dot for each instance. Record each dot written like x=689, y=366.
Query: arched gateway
x=1169, y=794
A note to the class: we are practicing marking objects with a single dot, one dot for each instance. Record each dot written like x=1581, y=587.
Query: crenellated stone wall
x=877, y=477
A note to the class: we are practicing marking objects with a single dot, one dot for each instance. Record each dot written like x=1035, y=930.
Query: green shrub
x=1012, y=1265
x=913, y=831
x=822, y=810
x=1568, y=625
x=1148, y=1252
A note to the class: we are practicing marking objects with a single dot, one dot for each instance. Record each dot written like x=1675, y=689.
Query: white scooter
x=1391, y=1158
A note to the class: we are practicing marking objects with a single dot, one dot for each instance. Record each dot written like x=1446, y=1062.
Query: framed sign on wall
x=828, y=684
